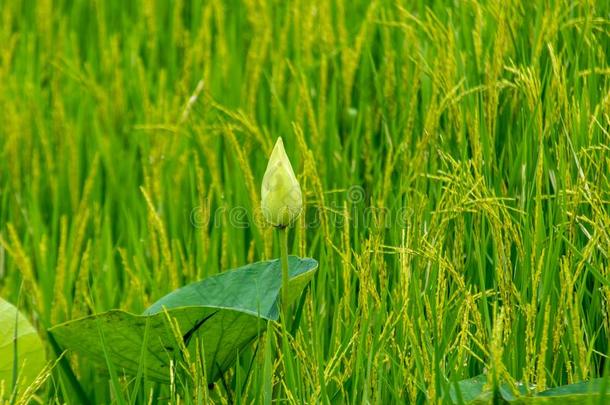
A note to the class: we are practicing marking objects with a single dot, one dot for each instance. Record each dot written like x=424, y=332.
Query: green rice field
x=454, y=163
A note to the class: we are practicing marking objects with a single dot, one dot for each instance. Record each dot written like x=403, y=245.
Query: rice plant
x=453, y=163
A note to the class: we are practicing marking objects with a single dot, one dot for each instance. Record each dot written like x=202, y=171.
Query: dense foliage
x=453, y=158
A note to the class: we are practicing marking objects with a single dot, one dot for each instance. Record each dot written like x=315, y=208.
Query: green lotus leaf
x=473, y=391
x=224, y=313
x=21, y=349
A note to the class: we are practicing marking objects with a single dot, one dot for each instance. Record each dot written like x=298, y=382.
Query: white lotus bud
x=281, y=198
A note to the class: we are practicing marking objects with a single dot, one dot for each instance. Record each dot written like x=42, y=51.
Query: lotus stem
x=284, y=259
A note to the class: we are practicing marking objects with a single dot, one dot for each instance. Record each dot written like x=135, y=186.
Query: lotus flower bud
x=281, y=198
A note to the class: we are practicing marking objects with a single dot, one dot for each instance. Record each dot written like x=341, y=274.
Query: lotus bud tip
x=281, y=197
